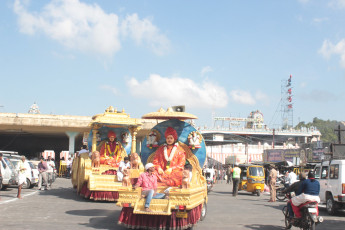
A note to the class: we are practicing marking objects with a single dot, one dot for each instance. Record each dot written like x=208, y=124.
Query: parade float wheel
x=203, y=212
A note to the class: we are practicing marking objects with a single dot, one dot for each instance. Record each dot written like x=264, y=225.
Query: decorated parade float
x=112, y=137
x=178, y=167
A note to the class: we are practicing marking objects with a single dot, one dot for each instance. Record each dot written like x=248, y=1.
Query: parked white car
x=331, y=175
x=9, y=175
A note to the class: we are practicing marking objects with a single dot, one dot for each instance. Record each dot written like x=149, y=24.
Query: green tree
x=326, y=128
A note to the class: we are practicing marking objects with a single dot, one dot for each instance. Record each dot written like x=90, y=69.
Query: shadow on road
x=264, y=226
x=67, y=193
x=223, y=193
x=105, y=219
x=279, y=207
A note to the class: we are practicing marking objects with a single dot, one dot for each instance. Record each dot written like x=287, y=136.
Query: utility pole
x=274, y=131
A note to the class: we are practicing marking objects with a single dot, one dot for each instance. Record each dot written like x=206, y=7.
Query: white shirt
x=25, y=165
x=83, y=151
x=292, y=178
x=69, y=163
x=51, y=166
x=123, y=165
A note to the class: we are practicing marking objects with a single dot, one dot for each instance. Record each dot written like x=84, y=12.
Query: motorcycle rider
x=294, y=188
x=308, y=191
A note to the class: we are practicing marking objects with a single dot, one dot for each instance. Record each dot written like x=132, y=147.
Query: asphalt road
x=62, y=208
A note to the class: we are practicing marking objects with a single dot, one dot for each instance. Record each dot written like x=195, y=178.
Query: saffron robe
x=176, y=164
x=110, y=153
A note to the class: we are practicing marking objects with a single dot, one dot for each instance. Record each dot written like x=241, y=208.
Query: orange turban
x=111, y=134
x=171, y=131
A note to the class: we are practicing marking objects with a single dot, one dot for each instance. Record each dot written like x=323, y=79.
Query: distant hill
x=325, y=127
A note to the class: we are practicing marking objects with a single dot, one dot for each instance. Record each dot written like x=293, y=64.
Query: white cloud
x=242, y=97
x=205, y=70
x=163, y=91
x=144, y=31
x=110, y=88
x=86, y=27
x=245, y=97
x=337, y=4
x=328, y=49
x=320, y=20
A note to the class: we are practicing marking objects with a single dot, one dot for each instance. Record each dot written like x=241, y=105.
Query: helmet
x=311, y=175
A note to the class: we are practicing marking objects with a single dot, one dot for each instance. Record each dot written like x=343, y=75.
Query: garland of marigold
x=107, y=147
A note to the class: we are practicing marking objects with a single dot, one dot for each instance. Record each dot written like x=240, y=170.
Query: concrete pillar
x=71, y=146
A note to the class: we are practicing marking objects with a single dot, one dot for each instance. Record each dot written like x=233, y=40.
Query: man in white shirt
x=125, y=164
x=24, y=169
x=50, y=171
x=84, y=150
x=292, y=177
x=69, y=166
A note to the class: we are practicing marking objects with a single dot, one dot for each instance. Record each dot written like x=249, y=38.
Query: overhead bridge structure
x=30, y=134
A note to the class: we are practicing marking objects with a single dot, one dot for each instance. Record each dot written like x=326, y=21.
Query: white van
x=331, y=175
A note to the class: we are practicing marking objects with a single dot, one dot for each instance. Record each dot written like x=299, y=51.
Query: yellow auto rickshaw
x=252, y=179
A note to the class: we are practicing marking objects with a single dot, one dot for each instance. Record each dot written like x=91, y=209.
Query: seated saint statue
x=110, y=151
x=169, y=160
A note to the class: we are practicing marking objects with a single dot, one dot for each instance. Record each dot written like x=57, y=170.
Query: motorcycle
x=209, y=181
x=280, y=195
x=310, y=216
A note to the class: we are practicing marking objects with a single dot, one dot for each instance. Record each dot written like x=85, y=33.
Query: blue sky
x=77, y=57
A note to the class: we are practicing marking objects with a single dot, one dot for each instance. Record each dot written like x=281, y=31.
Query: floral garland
x=110, y=152
x=168, y=159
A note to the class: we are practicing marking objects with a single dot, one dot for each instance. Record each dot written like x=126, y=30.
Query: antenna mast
x=286, y=103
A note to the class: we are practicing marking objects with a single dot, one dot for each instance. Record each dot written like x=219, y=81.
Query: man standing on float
x=111, y=151
x=169, y=160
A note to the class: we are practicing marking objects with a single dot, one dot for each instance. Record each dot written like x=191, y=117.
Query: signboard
x=241, y=159
x=218, y=137
x=290, y=154
x=233, y=119
x=274, y=155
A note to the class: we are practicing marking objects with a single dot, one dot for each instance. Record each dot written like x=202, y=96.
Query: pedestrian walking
x=42, y=169
x=272, y=178
x=24, y=169
x=69, y=167
x=2, y=165
x=236, y=175
x=50, y=171
x=229, y=175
